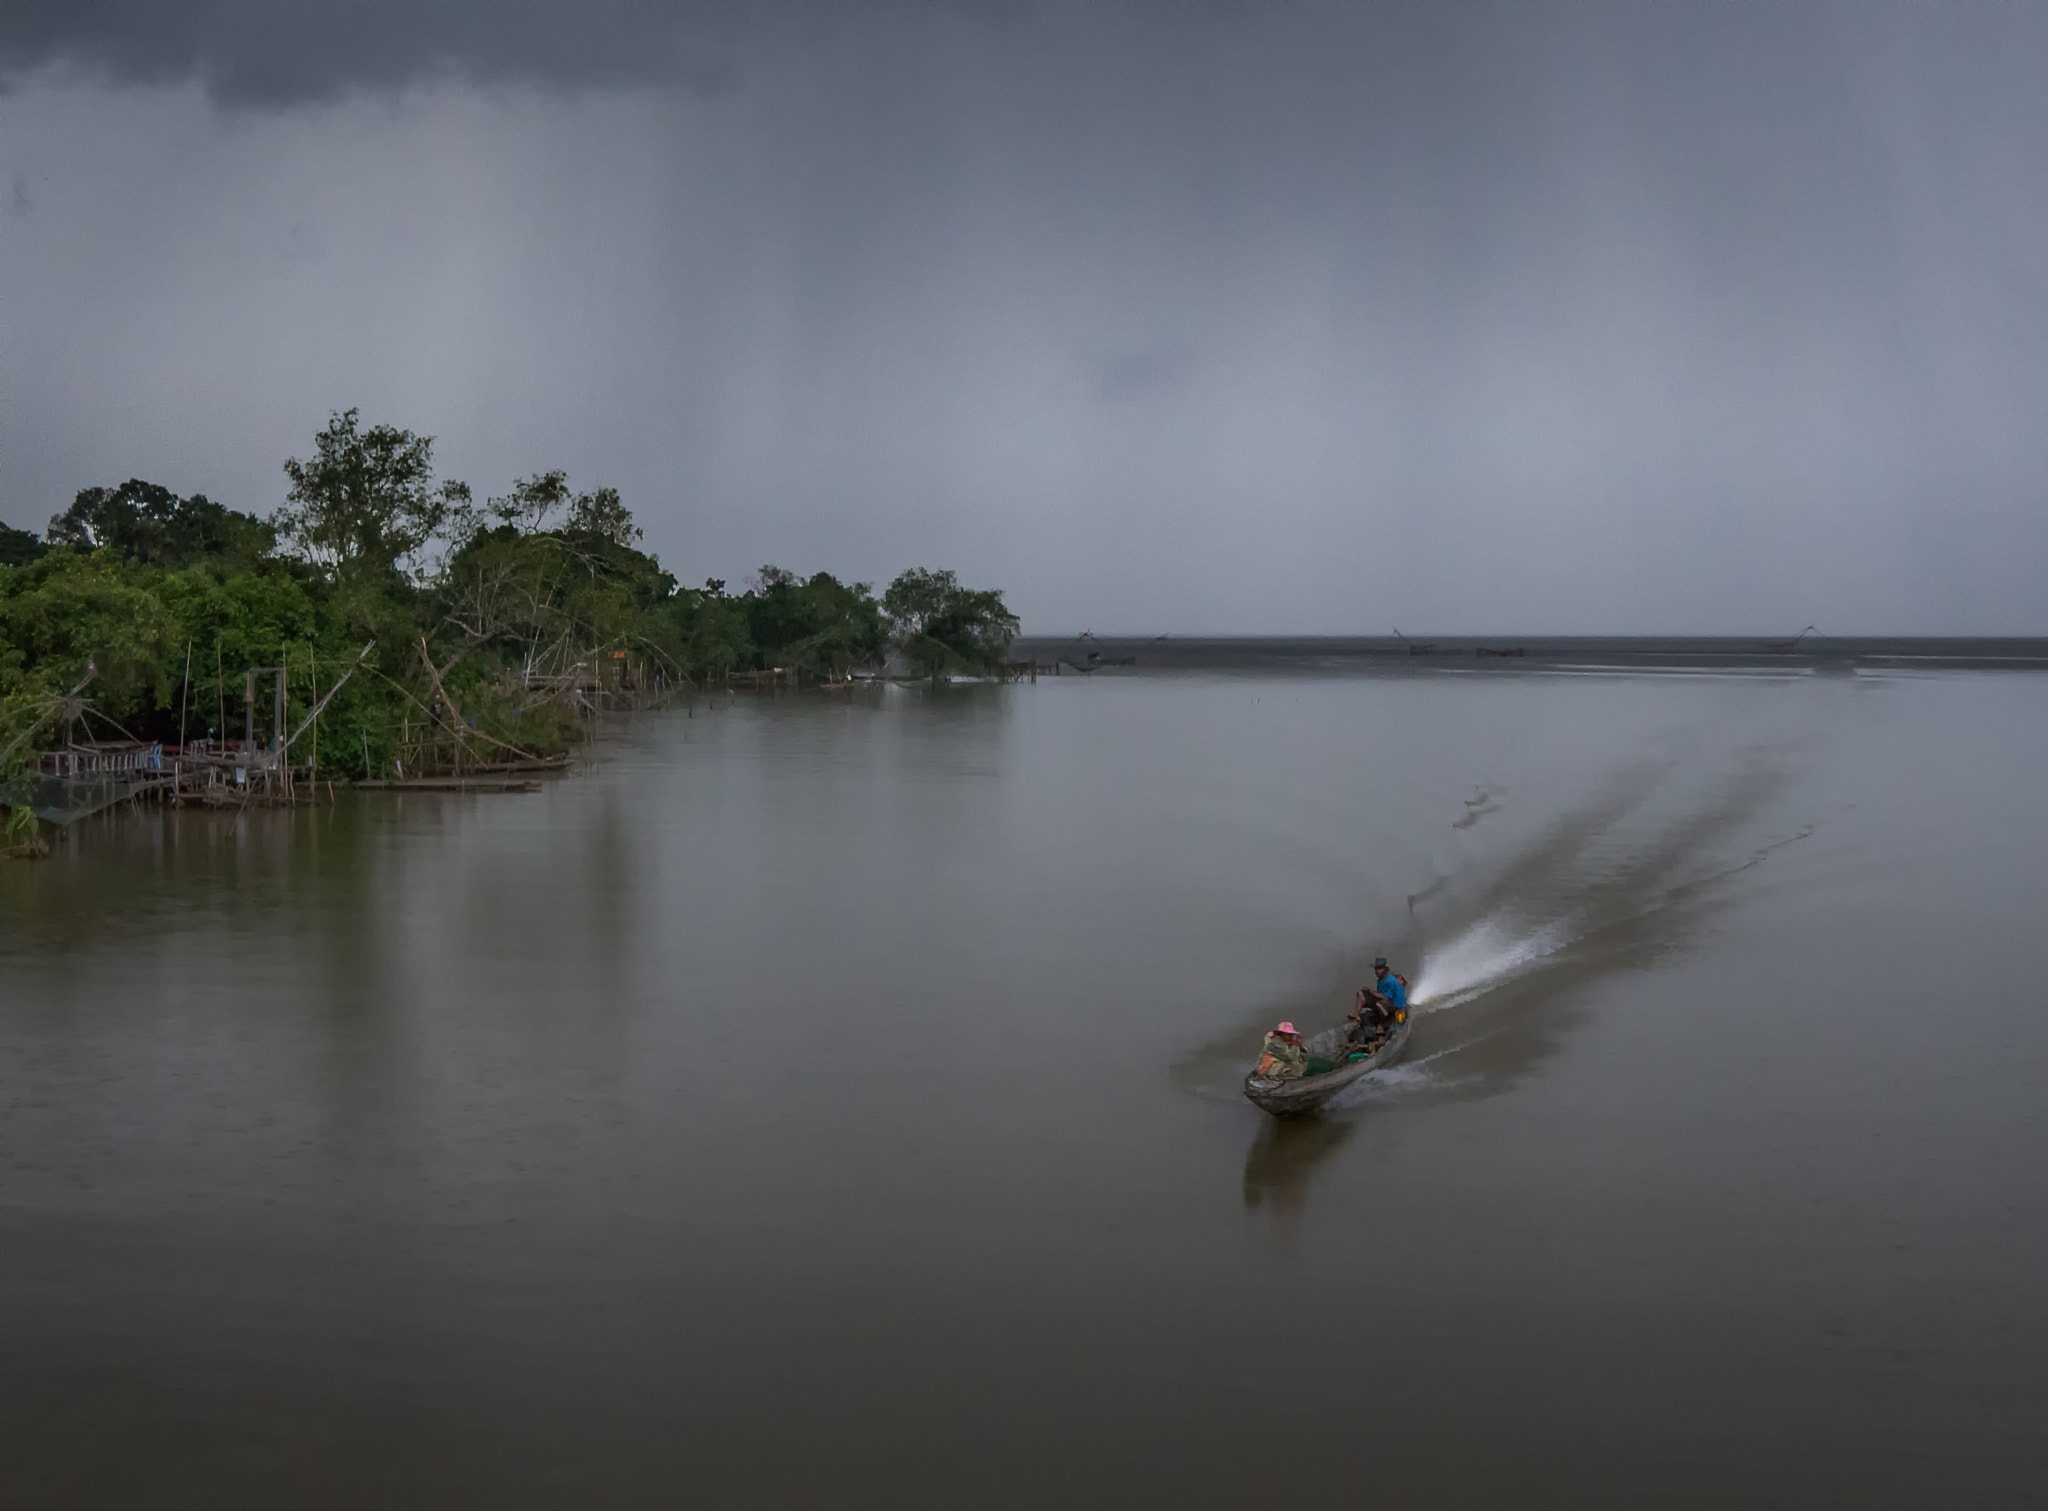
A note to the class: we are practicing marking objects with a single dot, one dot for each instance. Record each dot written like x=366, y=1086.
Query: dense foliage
x=495, y=626
x=945, y=627
x=147, y=523
x=18, y=547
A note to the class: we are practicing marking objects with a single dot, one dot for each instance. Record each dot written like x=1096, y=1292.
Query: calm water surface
x=836, y=1103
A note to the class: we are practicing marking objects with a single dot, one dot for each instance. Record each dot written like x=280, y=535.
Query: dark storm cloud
x=1533, y=316
x=281, y=52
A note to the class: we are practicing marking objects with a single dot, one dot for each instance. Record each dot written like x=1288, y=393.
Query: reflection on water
x=1284, y=1154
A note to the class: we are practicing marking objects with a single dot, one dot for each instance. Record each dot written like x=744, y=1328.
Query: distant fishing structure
x=1788, y=647
x=1086, y=660
x=1414, y=648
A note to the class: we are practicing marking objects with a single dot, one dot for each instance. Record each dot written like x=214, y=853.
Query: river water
x=827, y=1100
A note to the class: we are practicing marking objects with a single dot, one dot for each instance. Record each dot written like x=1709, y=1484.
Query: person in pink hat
x=1283, y=1057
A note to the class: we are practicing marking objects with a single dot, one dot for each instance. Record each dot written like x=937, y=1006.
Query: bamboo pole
x=415, y=702
x=185, y=696
x=308, y=721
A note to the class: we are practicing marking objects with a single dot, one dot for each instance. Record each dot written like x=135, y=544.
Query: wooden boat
x=1289, y=1098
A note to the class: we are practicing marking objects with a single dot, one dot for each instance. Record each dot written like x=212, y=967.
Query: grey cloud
x=1137, y=374
x=284, y=52
x=1536, y=316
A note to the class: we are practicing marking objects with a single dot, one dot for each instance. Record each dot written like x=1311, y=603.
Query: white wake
x=1478, y=960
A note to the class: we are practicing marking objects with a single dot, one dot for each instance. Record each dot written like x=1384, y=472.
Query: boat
x=1292, y=1097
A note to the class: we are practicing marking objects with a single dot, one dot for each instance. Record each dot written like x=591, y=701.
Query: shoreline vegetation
x=383, y=626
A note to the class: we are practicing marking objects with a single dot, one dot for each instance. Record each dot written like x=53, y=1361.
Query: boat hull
x=1304, y=1094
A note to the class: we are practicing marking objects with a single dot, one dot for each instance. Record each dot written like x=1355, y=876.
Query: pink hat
x=1286, y=1028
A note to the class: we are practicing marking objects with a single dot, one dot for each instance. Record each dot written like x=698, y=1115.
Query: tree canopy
x=817, y=622
x=18, y=547
x=366, y=503
x=147, y=522
x=508, y=611
x=943, y=627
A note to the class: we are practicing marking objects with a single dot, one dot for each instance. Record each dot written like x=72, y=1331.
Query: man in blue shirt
x=1390, y=988
x=1379, y=1008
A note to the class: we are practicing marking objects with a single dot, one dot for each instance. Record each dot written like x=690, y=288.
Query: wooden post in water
x=280, y=773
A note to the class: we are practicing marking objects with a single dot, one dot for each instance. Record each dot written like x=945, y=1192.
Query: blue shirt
x=1390, y=987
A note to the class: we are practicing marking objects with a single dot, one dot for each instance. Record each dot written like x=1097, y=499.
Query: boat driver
x=1368, y=1020
x=1391, y=991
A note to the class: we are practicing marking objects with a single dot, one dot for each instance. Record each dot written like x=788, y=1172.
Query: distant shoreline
x=1337, y=653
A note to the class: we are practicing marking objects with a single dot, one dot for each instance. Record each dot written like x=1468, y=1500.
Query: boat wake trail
x=1610, y=886
x=1503, y=950
x=1507, y=948
x=1479, y=959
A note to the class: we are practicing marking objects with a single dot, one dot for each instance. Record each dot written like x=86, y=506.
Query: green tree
x=366, y=504
x=70, y=609
x=18, y=547
x=941, y=627
x=710, y=628
x=599, y=515
x=162, y=603
x=532, y=605
x=147, y=522
x=821, y=623
x=525, y=509
x=133, y=627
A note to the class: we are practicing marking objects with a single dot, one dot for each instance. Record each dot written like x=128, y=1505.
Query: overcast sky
x=1159, y=316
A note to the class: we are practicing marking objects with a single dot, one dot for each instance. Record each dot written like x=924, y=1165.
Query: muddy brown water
x=830, y=1102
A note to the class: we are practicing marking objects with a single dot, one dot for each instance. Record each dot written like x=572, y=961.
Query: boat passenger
x=1283, y=1058
x=1390, y=988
